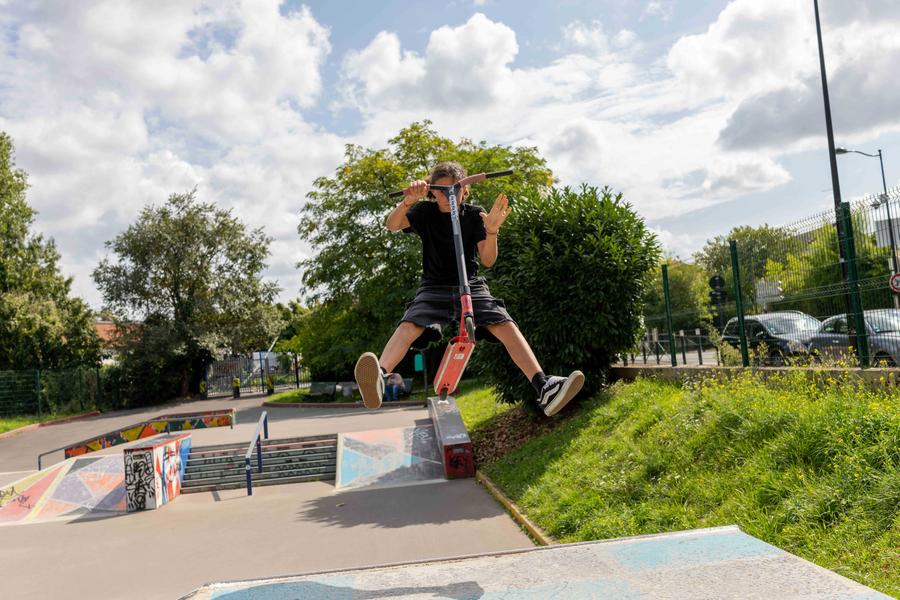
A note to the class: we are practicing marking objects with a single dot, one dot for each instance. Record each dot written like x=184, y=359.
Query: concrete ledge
x=881, y=377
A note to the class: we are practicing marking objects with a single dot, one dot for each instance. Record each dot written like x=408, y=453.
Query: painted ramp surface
x=714, y=563
x=388, y=458
x=71, y=489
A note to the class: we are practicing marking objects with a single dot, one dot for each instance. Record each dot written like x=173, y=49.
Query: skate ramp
x=388, y=458
x=721, y=563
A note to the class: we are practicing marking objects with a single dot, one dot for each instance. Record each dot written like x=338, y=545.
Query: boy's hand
x=494, y=219
x=416, y=191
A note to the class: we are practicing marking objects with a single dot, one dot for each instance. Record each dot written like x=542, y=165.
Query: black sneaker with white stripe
x=557, y=392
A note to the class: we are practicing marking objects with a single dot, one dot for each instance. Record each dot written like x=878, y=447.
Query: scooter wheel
x=470, y=328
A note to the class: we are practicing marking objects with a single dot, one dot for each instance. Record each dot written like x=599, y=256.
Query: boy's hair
x=447, y=168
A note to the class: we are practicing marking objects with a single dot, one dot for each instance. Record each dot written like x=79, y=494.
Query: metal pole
x=859, y=322
x=665, y=276
x=683, y=347
x=296, y=371
x=266, y=425
x=249, y=476
x=887, y=205
x=736, y=272
x=835, y=182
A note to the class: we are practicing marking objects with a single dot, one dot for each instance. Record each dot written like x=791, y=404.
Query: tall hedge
x=572, y=268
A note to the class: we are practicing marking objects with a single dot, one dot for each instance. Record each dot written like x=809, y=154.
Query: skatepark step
x=287, y=460
x=238, y=457
x=243, y=484
x=267, y=444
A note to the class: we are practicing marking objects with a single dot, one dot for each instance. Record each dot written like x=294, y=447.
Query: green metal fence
x=36, y=392
x=817, y=290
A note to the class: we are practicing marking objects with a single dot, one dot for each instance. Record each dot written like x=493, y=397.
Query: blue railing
x=262, y=426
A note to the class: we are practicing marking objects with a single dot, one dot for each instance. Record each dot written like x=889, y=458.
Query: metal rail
x=256, y=441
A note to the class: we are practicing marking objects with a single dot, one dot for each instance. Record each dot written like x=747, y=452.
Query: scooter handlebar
x=467, y=181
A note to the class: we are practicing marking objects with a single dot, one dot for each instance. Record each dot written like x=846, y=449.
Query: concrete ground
x=280, y=530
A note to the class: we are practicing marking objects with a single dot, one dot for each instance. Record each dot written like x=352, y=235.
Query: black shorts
x=436, y=306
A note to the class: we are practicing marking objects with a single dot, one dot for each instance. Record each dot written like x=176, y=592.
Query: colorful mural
x=73, y=488
x=155, y=426
x=154, y=472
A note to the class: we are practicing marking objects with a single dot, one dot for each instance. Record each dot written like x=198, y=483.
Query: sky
x=704, y=114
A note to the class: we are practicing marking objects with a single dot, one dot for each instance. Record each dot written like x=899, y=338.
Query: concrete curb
x=536, y=532
x=33, y=426
x=348, y=405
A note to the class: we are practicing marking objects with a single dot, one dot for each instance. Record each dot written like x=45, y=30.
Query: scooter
x=459, y=350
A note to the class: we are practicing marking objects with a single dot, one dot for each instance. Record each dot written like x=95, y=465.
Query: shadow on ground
x=432, y=503
x=311, y=590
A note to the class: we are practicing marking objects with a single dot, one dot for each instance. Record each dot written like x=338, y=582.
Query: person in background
x=393, y=387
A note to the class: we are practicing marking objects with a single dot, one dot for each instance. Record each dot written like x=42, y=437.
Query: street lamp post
x=884, y=200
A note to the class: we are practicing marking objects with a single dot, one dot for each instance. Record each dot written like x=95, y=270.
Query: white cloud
x=659, y=8
x=463, y=67
x=114, y=105
x=680, y=245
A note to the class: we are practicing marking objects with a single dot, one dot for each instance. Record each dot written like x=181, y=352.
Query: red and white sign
x=895, y=282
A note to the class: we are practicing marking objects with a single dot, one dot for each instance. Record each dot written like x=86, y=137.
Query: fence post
x=739, y=305
x=859, y=322
x=683, y=347
x=37, y=390
x=665, y=276
x=98, y=401
x=248, y=471
x=296, y=371
x=699, y=346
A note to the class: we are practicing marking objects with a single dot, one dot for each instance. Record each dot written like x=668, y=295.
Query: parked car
x=833, y=340
x=785, y=334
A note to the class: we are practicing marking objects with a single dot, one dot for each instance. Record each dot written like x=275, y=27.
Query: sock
x=538, y=381
x=383, y=372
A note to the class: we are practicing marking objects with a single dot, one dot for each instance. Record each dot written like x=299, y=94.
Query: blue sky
x=705, y=114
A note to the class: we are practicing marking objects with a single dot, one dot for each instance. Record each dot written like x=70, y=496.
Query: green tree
x=573, y=269
x=756, y=246
x=363, y=275
x=41, y=326
x=688, y=294
x=186, y=283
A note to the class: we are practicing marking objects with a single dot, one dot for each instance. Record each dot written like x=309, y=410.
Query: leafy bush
x=572, y=268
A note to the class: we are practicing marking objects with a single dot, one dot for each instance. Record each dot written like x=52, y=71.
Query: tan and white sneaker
x=369, y=379
x=557, y=392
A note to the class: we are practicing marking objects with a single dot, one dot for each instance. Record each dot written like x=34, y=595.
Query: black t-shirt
x=438, y=252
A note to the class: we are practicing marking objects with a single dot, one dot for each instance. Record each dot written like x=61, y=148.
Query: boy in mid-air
x=437, y=301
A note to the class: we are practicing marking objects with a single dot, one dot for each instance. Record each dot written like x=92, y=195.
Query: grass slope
x=812, y=470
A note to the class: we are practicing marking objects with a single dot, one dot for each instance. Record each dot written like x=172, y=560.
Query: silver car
x=833, y=340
